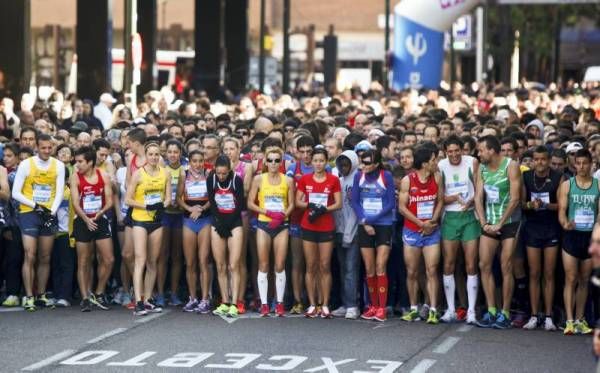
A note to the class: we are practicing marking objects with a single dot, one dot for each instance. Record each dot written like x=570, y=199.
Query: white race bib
x=544, y=197
x=197, y=189
x=225, y=201
x=41, y=193
x=492, y=194
x=274, y=203
x=372, y=206
x=584, y=219
x=425, y=210
x=458, y=188
x=92, y=204
x=319, y=199
x=152, y=198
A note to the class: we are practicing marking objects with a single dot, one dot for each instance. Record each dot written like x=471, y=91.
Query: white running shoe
x=339, y=312
x=449, y=316
x=549, y=324
x=531, y=324
x=63, y=303
x=471, y=317
x=352, y=313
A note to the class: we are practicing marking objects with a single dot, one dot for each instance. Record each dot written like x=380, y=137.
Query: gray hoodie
x=345, y=219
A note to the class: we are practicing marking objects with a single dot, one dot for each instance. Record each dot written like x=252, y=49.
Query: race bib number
x=152, y=198
x=544, y=197
x=461, y=189
x=274, y=203
x=584, y=219
x=41, y=193
x=92, y=204
x=319, y=199
x=197, y=189
x=492, y=194
x=372, y=206
x=225, y=201
x=425, y=210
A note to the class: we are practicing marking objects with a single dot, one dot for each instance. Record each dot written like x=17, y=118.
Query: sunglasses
x=367, y=163
x=273, y=160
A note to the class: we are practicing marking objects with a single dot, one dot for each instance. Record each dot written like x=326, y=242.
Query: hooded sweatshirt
x=537, y=123
x=345, y=218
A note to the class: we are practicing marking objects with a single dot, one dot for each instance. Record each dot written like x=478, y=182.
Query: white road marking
x=107, y=335
x=145, y=319
x=11, y=309
x=465, y=328
x=446, y=345
x=52, y=359
x=423, y=366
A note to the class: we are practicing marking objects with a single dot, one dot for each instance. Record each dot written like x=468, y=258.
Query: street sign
x=462, y=30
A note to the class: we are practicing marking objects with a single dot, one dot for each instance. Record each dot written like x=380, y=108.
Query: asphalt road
x=66, y=340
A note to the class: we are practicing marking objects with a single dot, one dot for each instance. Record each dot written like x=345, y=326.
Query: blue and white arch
x=419, y=27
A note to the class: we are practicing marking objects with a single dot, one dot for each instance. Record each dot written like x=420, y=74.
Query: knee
x=312, y=268
x=534, y=273
x=485, y=266
x=44, y=259
x=109, y=260
x=449, y=267
x=325, y=268
x=234, y=267
x=570, y=278
x=221, y=268
x=411, y=274
x=431, y=271
x=380, y=269
x=471, y=268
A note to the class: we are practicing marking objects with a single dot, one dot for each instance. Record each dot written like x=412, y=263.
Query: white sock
x=263, y=286
x=280, y=285
x=472, y=288
x=449, y=290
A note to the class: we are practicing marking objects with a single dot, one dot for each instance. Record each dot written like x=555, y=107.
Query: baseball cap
x=573, y=147
x=107, y=97
x=79, y=126
x=362, y=146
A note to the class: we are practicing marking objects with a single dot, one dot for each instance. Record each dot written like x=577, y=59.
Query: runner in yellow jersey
x=35, y=187
x=148, y=193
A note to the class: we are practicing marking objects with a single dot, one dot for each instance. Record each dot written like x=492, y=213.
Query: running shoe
x=99, y=301
x=487, y=321
x=449, y=316
x=241, y=307
x=118, y=297
x=29, y=304
x=311, y=312
x=339, y=312
x=570, y=328
x=502, y=322
x=369, y=313
x=203, y=307
x=432, y=318
x=471, y=317
x=222, y=310
x=233, y=311
x=140, y=309
x=352, y=313
x=461, y=314
x=175, y=301
x=160, y=301
x=326, y=313
x=11, y=301
x=424, y=312
x=297, y=309
x=44, y=301
x=518, y=319
x=127, y=301
x=264, y=310
x=191, y=305
x=63, y=303
x=279, y=310
x=152, y=307
x=582, y=327
x=380, y=314
x=86, y=305
x=412, y=315
x=549, y=324
x=532, y=323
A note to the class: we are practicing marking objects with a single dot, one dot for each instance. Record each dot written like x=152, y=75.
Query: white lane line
x=106, y=335
x=12, y=309
x=465, y=328
x=446, y=345
x=52, y=359
x=423, y=366
x=145, y=319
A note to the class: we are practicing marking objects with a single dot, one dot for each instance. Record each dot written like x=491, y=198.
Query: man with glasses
x=211, y=147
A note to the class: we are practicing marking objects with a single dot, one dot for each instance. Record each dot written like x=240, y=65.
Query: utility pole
x=452, y=60
x=286, y=46
x=261, y=57
x=386, y=71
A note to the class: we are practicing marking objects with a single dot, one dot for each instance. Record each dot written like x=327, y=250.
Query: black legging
x=13, y=261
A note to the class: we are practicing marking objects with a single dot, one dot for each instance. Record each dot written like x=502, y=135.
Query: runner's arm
x=479, y=209
x=74, y=186
x=514, y=178
x=291, y=194
x=252, y=206
x=60, y=187
x=17, y=190
x=108, y=194
x=403, y=202
x=563, y=202
x=129, y=196
x=439, y=207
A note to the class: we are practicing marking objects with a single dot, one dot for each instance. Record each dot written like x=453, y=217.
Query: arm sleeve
x=22, y=173
x=60, y=186
x=389, y=199
x=355, y=198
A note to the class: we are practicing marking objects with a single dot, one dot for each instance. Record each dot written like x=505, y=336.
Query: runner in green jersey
x=497, y=198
